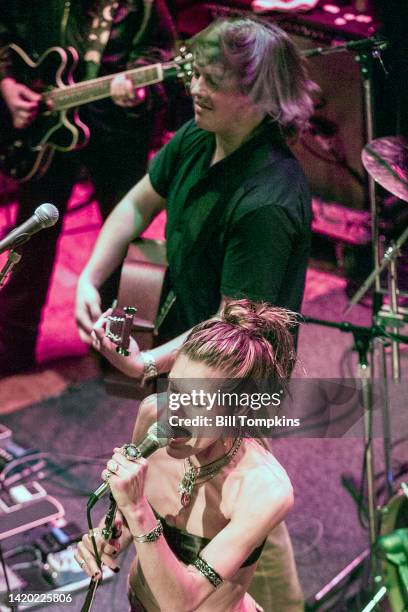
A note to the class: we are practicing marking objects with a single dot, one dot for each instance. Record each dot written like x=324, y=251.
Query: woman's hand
x=127, y=479
x=21, y=101
x=124, y=94
x=108, y=550
x=131, y=365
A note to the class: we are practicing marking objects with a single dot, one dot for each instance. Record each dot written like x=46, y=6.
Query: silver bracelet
x=152, y=535
x=207, y=571
x=149, y=367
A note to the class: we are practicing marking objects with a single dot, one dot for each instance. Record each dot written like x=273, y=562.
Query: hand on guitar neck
x=22, y=102
x=111, y=336
x=124, y=94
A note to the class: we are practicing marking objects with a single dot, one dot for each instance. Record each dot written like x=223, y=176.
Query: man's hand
x=22, y=102
x=123, y=93
x=133, y=365
x=87, y=308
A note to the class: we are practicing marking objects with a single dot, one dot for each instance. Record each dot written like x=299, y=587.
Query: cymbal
x=386, y=161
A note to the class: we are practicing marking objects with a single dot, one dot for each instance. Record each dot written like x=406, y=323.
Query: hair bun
x=258, y=319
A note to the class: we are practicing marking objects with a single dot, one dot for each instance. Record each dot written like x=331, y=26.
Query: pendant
x=186, y=487
x=185, y=500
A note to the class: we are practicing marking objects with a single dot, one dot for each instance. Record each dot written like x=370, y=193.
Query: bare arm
x=184, y=588
x=127, y=220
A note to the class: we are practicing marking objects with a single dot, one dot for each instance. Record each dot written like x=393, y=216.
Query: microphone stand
x=363, y=337
x=13, y=258
x=107, y=533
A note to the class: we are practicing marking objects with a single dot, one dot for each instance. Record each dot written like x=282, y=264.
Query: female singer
x=199, y=510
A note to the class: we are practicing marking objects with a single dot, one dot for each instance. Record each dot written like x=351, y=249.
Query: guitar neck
x=99, y=88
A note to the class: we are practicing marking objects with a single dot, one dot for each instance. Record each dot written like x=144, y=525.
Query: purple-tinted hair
x=266, y=64
x=246, y=340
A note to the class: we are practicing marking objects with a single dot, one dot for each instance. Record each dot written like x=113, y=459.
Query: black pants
x=114, y=167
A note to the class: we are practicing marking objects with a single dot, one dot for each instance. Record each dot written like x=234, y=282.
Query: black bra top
x=187, y=547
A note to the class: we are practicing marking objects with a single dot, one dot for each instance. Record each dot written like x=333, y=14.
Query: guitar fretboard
x=99, y=88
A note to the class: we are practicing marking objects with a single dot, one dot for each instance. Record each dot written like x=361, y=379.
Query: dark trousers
x=114, y=167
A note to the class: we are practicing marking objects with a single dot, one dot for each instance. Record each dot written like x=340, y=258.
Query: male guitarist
x=109, y=36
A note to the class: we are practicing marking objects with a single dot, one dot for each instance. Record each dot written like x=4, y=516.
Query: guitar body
x=28, y=152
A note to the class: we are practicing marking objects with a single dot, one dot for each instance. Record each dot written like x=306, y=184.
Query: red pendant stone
x=185, y=500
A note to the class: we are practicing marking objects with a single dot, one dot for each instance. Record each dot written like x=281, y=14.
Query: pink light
x=364, y=18
x=331, y=8
x=349, y=16
x=340, y=21
x=283, y=5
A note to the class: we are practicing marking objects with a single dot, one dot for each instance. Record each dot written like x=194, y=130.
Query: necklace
x=194, y=474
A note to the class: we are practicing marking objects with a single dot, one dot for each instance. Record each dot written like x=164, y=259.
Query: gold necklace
x=193, y=474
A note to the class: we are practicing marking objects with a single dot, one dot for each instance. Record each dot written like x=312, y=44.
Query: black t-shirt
x=239, y=228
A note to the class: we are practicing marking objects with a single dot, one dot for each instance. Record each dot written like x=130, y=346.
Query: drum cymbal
x=386, y=161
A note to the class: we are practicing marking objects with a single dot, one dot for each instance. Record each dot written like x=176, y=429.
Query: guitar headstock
x=184, y=64
x=119, y=327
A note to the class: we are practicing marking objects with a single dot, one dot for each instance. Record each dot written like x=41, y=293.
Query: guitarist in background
x=109, y=36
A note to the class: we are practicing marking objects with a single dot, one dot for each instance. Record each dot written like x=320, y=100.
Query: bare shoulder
x=146, y=416
x=261, y=482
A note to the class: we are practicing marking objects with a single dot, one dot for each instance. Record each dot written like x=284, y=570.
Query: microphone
x=158, y=436
x=44, y=216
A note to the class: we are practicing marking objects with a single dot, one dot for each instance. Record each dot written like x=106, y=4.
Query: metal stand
x=13, y=259
x=363, y=337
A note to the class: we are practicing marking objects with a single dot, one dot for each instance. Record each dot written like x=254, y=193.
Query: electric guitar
x=27, y=153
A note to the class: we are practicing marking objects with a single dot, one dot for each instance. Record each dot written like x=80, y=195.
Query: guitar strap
x=98, y=37
x=99, y=33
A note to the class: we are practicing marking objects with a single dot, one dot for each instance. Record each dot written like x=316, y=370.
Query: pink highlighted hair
x=246, y=340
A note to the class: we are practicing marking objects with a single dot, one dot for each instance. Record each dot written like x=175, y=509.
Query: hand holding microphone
x=158, y=436
x=44, y=216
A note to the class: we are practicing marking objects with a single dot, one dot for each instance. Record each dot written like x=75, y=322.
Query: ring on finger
x=107, y=476
x=131, y=452
x=94, y=533
x=81, y=563
x=112, y=466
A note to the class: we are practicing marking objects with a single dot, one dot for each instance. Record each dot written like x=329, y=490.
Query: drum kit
x=386, y=162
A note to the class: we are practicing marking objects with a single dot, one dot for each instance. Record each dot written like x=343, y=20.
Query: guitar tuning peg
x=131, y=310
